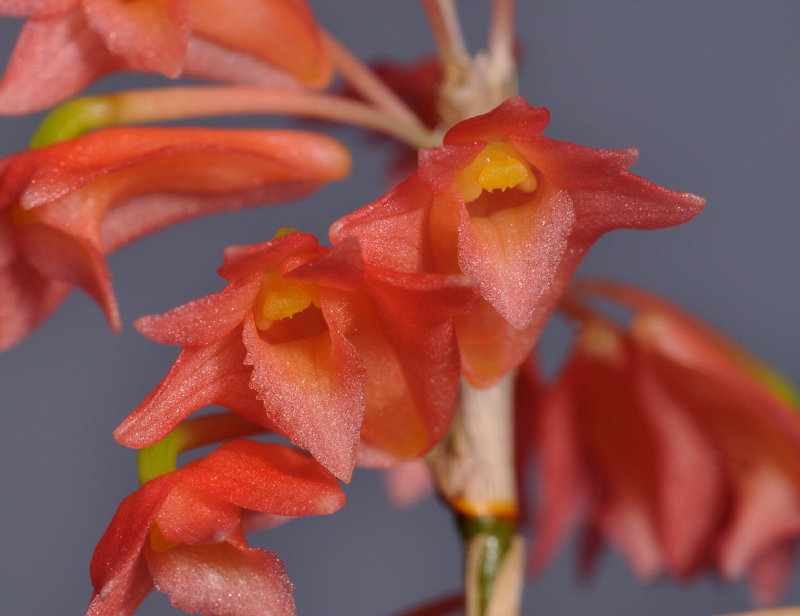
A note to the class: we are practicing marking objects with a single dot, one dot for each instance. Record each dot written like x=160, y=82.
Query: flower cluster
x=670, y=444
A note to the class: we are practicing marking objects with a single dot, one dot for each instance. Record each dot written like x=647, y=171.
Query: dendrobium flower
x=67, y=44
x=181, y=533
x=64, y=207
x=514, y=210
x=673, y=444
x=330, y=352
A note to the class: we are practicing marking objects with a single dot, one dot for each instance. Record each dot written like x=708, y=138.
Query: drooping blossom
x=671, y=444
x=64, y=207
x=514, y=210
x=67, y=44
x=181, y=533
x=335, y=354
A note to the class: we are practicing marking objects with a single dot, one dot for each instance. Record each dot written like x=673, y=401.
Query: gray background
x=708, y=91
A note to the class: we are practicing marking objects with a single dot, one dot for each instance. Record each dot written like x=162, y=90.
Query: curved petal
x=514, y=252
x=266, y=477
x=115, y=566
x=282, y=33
x=190, y=515
x=35, y=8
x=313, y=390
x=54, y=58
x=513, y=117
x=205, y=320
x=222, y=580
x=150, y=36
x=200, y=376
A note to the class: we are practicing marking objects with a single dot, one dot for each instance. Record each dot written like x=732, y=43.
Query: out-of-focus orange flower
x=67, y=44
x=64, y=207
x=514, y=210
x=336, y=355
x=674, y=445
x=182, y=533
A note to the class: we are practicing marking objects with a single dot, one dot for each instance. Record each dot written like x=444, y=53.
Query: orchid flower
x=675, y=446
x=67, y=44
x=330, y=352
x=514, y=210
x=64, y=207
x=181, y=532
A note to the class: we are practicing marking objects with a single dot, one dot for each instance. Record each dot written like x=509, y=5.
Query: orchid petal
x=54, y=58
x=151, y=35
x=312, y=389
x=222, y=580
x=205, y=320
x=202, y=375
x=266, y=477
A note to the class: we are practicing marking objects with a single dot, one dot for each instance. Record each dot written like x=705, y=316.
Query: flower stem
x=364, y=81
x=161, y=458
x=474, y=470
x=161, y=104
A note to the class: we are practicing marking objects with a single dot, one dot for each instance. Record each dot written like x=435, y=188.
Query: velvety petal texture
x=515, y=211
x=66, y=45
x=673, y=445
x=64, y=207
x=310, y=342
x=181, y=533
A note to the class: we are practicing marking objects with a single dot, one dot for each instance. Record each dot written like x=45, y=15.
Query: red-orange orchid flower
x=182, y=533
x=330, y=352
x=516, y=211
x=64, y=207
x=678, y=448
x=67, y=44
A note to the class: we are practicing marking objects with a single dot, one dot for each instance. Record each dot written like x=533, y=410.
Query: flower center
x=280, y=299
x=498, y=167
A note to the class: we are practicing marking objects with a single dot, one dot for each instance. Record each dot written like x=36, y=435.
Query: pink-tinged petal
x=392, y=231
x=490, y=347
x=136, y=161
x=241, y=261
x=630, y=202
x=28, y=298
x=341, y=268
x=569, y=165
x=150, y=36
x=691, y=483
x=58, y=256
x=189, y=515
x=411, y=357
x=53, y=59
x=116, y=560
x=222, y=580
x=266, y=477
x=210, y=61
x=205, y=320
x=622, y=448
x=313, y=390
x=513, y=117
x=282, y=33
x=439, y=167
x=514, y=252
x=204, y=375
x=112, y=603
x=564, y=494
